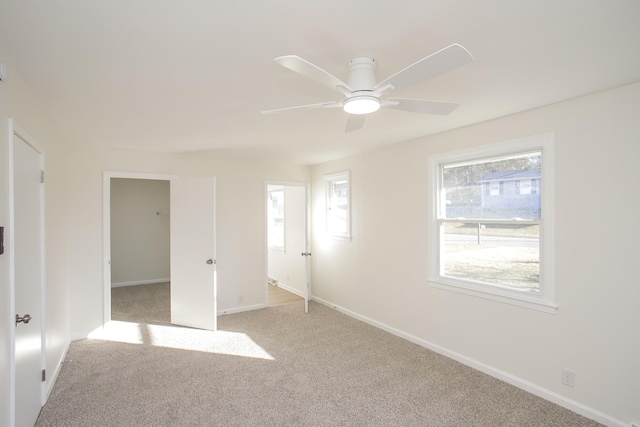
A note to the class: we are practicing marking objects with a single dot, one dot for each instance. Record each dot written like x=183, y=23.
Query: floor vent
x=272, y=282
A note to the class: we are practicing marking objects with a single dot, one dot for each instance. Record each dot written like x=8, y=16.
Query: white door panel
x=193, y=268
x=307, y=245
x=28, y=267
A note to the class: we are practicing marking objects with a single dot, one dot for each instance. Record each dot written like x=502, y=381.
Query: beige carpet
x=279, y=367
x=149, y=303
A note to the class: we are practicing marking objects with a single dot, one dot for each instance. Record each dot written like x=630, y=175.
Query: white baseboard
x=290, y=289
x=80, y=335
x=140, y=282
x=222, y=312
x=51, y=379
x=532, y=388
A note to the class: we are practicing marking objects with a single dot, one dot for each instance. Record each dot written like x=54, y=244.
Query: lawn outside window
x=491, y=231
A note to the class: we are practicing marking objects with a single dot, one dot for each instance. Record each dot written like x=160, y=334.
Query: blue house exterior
x=517, y=191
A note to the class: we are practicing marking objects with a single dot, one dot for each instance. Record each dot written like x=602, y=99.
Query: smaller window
x=338, y=205
x=524, y=187
x=275, y=217
x=534, y=186
x=496, y=188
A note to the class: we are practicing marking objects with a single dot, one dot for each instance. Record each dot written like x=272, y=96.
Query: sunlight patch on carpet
x=220, y=342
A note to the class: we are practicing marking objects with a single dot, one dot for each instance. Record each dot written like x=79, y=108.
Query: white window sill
x=527, y=301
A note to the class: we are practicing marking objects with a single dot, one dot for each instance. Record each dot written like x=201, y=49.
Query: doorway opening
x=287, y=277
x=136, y=274
x=140, y=251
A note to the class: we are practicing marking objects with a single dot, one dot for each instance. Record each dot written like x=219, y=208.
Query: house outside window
x=338, y=206
x=491, y=222
x=516, y=191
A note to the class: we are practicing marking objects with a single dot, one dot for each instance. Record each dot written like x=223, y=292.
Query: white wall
x=85, y=180
x=139, y=236
x=17, y=102
x=240, y=222
x=289, y=267
x=381, y=274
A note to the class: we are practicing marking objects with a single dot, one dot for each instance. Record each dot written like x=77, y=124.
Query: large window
x=338, y=211
x=491, y=225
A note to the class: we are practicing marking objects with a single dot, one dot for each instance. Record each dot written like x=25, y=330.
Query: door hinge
x=44, y=375
x=41, y=177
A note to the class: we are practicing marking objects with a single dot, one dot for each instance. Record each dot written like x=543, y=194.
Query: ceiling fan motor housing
x=362, y=74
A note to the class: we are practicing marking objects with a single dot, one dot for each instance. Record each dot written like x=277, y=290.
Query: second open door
x=288, y=246
x=193, y=253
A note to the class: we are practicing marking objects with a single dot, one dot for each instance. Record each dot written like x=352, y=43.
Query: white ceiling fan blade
x=355, y=122
x=437, y=63
x=420, y=106
x=303, y=107
x=307, y=69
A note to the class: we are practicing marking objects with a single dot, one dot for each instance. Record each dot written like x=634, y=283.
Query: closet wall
x=139, y=231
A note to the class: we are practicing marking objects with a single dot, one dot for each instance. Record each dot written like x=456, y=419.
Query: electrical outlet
x=568, y=377
x=240, y=299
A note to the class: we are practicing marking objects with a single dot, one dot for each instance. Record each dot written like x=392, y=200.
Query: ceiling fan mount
x=362, y=73
x=362, y=95
x=359, y=94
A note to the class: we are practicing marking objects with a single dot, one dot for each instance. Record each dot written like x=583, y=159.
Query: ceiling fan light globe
x=361, y=105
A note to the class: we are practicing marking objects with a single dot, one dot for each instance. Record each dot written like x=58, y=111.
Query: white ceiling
x=194, y=75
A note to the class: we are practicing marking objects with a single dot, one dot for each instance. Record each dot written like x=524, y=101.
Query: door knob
x=209, y=261
x=25, y=319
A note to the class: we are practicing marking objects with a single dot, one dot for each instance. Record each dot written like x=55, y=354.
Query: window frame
x=328, y=180
x=545, y=299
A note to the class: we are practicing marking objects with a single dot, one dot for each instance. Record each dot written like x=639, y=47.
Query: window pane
x=496, y=254
x=275, y=217
x=504, y=187
x=338, y=207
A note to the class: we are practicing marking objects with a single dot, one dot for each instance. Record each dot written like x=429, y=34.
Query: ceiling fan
x=362, y=95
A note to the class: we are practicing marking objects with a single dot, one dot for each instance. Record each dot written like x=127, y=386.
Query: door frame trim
x=15, y=130
x=307, y=190
x=106, y=230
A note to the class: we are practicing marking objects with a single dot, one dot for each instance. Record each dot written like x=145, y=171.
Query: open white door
x=288, y=254
x=307, y=246
x=193, y=253
x=26, y=249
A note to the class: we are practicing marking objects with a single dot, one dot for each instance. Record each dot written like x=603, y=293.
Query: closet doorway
x=140, y=250
x=191, y=221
